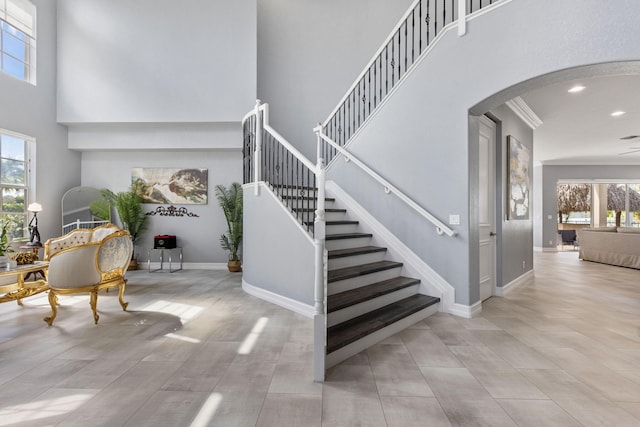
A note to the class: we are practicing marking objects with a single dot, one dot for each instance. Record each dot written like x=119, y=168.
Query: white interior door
x=486, y=208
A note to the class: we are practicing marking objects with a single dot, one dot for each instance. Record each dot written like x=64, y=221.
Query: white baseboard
x=185, y=266
x=431, y=282
x=288, y=303
x=501, y=291
x=466, y=311
x=541, y=249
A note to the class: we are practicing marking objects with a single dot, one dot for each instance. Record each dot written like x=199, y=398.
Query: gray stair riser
x=359, y=281
x=352, y=261
x=356, y=347
x=356, y=310
x=294, y=192
x=335, y=216
x=333, y=245
x=341, y=229
x=294, y=205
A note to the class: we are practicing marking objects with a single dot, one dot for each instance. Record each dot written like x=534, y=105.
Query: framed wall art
x=519, y=185
x=173, y=185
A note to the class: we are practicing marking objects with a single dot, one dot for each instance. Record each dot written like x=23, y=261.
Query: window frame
x=24, y=23
x=29, y=183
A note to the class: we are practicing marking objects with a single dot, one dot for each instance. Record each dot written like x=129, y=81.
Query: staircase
x=368, y=299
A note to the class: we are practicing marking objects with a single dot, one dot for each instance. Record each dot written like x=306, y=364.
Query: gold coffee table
x=13, y=284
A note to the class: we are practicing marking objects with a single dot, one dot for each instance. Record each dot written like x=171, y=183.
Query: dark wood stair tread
x=365, y=293
x=352, y=330
x=341, y=253
x=342, y=222
x=360, y=270
x=340, y=236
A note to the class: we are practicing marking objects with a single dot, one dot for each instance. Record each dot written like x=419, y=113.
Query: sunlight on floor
x=207, y=411
x=185, y=312
x=42, y=409
x=250, y=340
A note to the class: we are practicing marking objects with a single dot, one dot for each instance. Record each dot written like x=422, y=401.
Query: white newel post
x=257, y=157
x=462, y=17
x=319, y=320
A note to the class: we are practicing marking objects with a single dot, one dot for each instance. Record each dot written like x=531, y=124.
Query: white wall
x=309, y=54
x=199, y=236
x=31, y=110
x=156, y=60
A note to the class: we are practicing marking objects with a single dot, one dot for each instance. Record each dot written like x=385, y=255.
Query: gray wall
x=156, y=60
x=515, y=237
x=551, y=174
x=420, y=138
x=31, y=110
x=309, y=54
x=159, y=84
x=277, y=255
x=198, y=236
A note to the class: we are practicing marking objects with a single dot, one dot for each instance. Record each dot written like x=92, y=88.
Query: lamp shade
x=35, y=207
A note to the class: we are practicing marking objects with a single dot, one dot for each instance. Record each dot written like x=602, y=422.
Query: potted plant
x=5, y=244
x=128, y=204
x=230, y=200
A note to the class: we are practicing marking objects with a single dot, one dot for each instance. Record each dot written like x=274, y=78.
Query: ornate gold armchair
x=87, y=260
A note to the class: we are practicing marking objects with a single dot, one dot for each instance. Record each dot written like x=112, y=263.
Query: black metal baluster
x=413, y=35
x=427, y=20
x=399, y=53
x=393, y=56
x=369, y=100
x=435, y=14
x=406, y=45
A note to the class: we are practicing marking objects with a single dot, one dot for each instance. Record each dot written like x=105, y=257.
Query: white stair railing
x=389, y=188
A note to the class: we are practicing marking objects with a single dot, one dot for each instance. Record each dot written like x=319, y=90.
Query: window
x=17, y=39
x=14, y=181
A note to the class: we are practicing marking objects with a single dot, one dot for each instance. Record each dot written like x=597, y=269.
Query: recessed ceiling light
x=618, y=113
x=576, y=89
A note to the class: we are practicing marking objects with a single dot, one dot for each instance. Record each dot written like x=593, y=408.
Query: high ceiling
x=577, y=128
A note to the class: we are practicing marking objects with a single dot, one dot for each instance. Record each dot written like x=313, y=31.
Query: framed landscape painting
x=173, y=185
x=519, y=185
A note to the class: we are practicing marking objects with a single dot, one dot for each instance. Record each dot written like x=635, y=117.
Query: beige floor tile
x=168, y=408
x=412, y=411
x=427, y=349
x=536, y=413
x=572, y=333
x=291, y=411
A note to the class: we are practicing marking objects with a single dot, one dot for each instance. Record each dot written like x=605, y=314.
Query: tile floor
x=195, y=350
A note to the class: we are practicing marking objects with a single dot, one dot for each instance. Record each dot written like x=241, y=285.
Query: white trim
x=466, y=311
x=143, y=265
x=549, y=249
x=501, y=291
x=522, y=110
x=284, y=302
x=431, y=283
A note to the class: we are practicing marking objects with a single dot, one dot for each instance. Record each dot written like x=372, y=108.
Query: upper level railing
x=417, y=29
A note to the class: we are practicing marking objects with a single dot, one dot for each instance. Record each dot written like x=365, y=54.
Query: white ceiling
x=578, y=128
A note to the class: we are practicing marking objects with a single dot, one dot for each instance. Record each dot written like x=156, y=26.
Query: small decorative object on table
x=23, y=258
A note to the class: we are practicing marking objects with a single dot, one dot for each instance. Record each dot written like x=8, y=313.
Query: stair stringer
x=431, y=283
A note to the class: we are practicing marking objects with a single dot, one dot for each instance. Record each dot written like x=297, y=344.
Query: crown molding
x=522, y=110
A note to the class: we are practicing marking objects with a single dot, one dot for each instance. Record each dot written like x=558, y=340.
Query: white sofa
x=611, y=245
